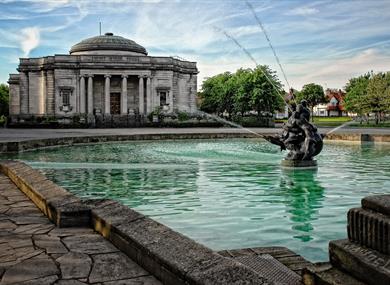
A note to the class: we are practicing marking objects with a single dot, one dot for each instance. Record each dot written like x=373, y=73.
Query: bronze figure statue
x=299, y=136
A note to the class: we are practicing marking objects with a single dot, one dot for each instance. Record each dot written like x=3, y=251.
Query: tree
x=313, y=94
x=378, y=94
x=356, y=98
x=256, y=89
x=4, y=100
x=216, y=93
x=266, y=90
x=243, y=91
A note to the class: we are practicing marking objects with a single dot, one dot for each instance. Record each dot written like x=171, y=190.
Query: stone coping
x=31, y=144
x=170, y=256
x=61, y=207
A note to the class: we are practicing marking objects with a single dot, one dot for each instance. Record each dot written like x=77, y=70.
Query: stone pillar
x=50, y=93
x=90, y=94
x=170, y=95
x=107, y=94
x=141, y=95
x=124, y=95
x=148, y=97
x=82, y=94
x=24, y=92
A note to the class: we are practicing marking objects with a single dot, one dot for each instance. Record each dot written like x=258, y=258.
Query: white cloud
x=30, y=38
x=335, y=73
x=303, y=11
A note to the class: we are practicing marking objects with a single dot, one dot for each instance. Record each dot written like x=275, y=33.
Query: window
x=163, y=98
x=65, y=94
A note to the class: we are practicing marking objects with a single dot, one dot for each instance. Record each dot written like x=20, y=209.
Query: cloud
x=336, y=72
x=30, y=38
x=303, y=11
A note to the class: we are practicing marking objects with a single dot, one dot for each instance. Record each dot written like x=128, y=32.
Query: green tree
x=4, y=100
x=217, y=94
x=313, y=94
x=378, y=95
x=356, y=98
x=266, y=91
x=243, y=91
x=256, y=89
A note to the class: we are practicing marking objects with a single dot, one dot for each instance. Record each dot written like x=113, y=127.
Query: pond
x=226, y=194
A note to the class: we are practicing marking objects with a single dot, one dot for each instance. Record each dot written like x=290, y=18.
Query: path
x=35, y=252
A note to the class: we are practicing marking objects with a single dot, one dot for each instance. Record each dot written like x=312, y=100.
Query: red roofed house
x=335, y=107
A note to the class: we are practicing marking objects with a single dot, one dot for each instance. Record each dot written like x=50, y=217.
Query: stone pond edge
x=26, y=145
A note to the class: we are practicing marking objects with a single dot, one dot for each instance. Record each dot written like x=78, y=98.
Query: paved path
x=34, y=252
x=7, y=135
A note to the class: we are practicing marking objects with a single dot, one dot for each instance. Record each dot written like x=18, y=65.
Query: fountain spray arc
x=299, y=136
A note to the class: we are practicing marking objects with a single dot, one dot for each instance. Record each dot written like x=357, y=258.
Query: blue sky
x=325, y=42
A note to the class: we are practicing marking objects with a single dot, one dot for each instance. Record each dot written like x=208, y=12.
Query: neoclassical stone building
x=105, y=74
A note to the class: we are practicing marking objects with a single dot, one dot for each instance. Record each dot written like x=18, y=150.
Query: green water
x=226, y=193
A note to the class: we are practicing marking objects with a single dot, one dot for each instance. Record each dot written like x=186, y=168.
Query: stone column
x=170, y=95
x=90, y=94
x=24, y=92
x=82, y=94
x=148, y=97
x=50, y=92
x=141, y=95
x=124, y=95
x=107, y=94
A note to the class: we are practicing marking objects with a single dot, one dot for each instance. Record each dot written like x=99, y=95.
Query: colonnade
x=86, y=94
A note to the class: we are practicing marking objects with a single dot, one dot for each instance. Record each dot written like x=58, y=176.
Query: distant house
x=335, y=106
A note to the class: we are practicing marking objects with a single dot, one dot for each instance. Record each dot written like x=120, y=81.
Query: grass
x=325, y=121
x=337, y=121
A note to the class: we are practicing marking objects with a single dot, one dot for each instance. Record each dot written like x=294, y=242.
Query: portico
x=145, y=101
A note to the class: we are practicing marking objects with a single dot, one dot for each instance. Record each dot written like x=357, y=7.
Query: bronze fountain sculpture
x=300, y=137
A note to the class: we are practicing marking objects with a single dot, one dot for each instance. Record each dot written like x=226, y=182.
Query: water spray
x=269, y=41
x=255, y=62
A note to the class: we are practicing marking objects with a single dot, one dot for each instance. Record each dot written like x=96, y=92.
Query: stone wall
x=14, y=89
x=65, y=78
x=37, y=92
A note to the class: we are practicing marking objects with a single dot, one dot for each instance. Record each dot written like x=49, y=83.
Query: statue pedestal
x=299, y=163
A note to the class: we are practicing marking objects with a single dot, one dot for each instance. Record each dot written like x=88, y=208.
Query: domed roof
x=107, y=42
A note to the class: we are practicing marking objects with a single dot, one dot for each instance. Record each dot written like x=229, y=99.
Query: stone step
x=270, y=268
x=370, y=229
x=325, y=274
x=377, y=203
x=362, y=263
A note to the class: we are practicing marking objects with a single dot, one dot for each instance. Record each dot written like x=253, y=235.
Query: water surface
x=226, y=194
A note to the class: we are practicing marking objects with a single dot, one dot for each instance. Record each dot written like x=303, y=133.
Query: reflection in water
x=141, y=187
x=304, y=196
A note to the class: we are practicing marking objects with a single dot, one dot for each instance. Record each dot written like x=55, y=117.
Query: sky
x=323, y=42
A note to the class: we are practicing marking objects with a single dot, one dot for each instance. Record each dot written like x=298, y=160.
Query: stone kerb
x=61, y=207
x=171, y=257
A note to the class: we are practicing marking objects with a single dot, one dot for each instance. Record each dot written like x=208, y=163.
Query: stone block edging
x=170, y=256
x=60, y=206
x=25, y=145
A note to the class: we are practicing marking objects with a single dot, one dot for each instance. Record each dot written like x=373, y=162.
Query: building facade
x=105, y=74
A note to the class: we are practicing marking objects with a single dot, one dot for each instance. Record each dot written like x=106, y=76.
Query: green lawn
x=326, y=121
x=337, y=121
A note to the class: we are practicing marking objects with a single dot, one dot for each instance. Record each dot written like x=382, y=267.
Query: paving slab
x=75, y=265
x=35, y=252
